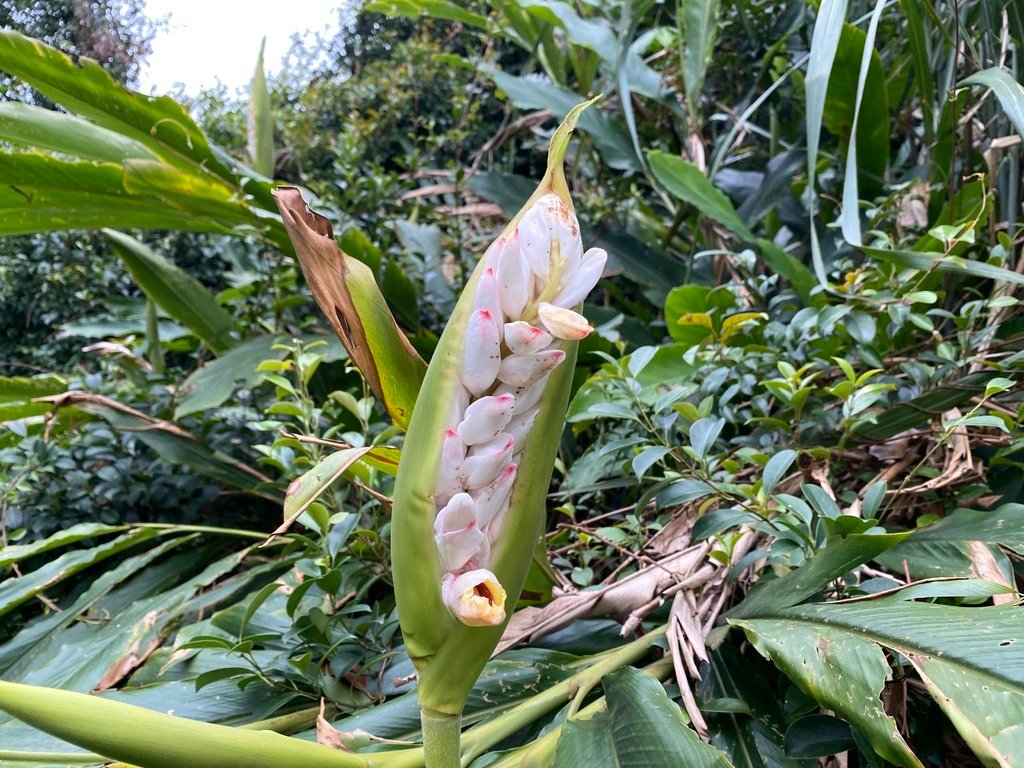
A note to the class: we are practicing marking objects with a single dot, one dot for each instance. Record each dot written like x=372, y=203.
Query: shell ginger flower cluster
x=522, y=311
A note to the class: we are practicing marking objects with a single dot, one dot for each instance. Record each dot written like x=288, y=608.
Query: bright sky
x=210, y=40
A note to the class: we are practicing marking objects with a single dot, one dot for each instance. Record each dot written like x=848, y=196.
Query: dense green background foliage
x=794, y=446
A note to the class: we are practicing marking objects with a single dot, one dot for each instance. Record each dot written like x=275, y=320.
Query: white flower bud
x=577, y=285
x=523, y=338
x=482, y=357
x=453, y=451
x=458, y=537
x=492, y=500
x=563, y=323
x=485, y=461
x=514, y=279
x=486, y=418
x=523, y=370
x=487, y=298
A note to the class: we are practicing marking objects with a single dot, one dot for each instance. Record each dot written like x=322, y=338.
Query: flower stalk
x=469, y=496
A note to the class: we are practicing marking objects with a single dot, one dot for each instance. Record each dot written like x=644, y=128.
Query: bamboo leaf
x=175, y=292
x=1009, y=92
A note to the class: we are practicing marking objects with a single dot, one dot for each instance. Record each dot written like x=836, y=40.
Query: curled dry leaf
x=346, y=290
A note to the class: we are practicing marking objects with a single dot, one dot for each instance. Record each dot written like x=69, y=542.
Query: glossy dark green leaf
x=830, y=563
x=642, y=728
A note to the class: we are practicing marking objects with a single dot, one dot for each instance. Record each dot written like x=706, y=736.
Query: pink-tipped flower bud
x=482, y=357
x=523, y=370
x=523, y=338
x=449, y=483
x=458, y=537
x=492, y=499
x=514, y=279
x=535, y=230
x=487, y=298
x=485, y=461
x=486, y=418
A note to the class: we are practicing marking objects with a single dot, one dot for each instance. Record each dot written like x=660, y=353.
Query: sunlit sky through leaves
x=209, y=40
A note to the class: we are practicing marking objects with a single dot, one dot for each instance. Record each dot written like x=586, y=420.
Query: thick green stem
x=441, y=734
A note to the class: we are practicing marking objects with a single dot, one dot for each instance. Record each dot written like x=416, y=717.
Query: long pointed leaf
x=178, y=294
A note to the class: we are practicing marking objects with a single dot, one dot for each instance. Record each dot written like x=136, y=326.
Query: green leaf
x=942, y=263
x=818, y=736
x=260, y=143
x=212, y=383
x=699, y=22
x=33, y=127
x=21, y=388
x=171, y=442
x=642, y=728
x=85, y=88
x=437, y=9
x=841, y=671
x=942, y=549
x=923, y=408
x=776, y=468
x=18, y=552
x=828, y=29
x=308, y=488
x=987, y=714
x=1009, y=92
x=179, y=295
x=687, y=182
x=17, y=589
x=42, y=193
x=612, y=142
x=856, y=70
x=830, y=563
x=972, y=659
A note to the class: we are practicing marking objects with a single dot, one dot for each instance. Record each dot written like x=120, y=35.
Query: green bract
x=461, y=542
